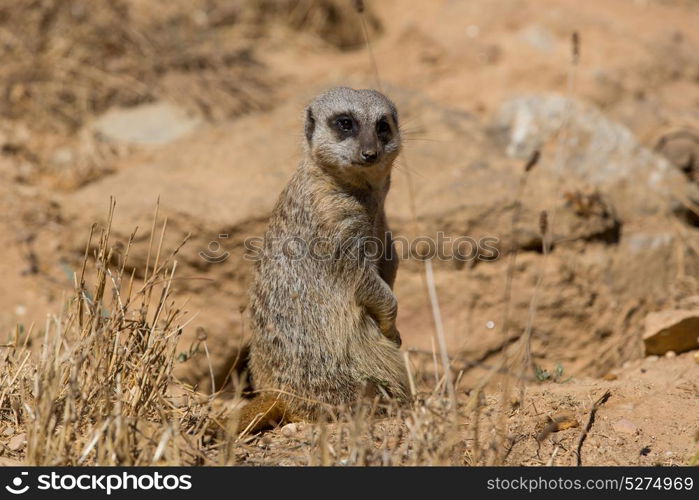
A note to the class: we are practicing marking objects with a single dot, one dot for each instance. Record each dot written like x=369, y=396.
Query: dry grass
x=66, y=61
x=100, y=391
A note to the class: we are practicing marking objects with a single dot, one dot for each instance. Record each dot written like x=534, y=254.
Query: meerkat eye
x=382, y=127
x=344, y=123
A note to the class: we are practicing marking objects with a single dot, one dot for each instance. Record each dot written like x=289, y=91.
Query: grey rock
x=147, y=124
x=538, y=37
x=594, y=150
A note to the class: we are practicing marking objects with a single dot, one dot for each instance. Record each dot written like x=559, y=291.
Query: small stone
x=17, y=442
x=625, y=426
x=610, y=376
x=681, y=149
x=670, y=354
x=63, y=156
x=472, y=31
x=538, y=37
x=25, y=171
x=696, y=357
x=8, y=432
x=652, y=358
x=289, y=430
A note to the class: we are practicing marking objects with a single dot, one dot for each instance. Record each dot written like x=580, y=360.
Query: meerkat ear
x=310, y=124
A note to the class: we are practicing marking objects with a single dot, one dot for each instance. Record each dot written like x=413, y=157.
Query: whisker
x=404, y=168
x=427, y=139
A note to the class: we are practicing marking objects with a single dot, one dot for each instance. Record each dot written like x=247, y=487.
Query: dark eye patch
x=344, y=125
x=310, y=125
x=383, y=129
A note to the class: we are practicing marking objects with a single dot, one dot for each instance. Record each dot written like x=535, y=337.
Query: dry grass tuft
x=335, y=21
x=101, y=391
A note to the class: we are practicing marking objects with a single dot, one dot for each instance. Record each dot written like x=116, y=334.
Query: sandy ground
x=622, y=246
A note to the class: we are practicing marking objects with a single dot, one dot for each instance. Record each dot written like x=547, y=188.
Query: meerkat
x=322, y=307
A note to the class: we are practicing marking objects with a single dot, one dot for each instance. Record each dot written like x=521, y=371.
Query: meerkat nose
x=369, y=156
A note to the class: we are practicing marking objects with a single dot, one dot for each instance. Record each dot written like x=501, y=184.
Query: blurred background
x=199, y=103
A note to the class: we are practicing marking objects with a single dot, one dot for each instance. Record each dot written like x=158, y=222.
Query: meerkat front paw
x=393, y=334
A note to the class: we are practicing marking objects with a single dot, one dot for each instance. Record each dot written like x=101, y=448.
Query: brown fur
x=262, y=412
x=323, y=328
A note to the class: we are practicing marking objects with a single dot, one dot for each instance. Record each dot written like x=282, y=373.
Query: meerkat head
x=353, y=134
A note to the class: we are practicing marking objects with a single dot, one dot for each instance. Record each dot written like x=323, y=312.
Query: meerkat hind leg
x=263, y=412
